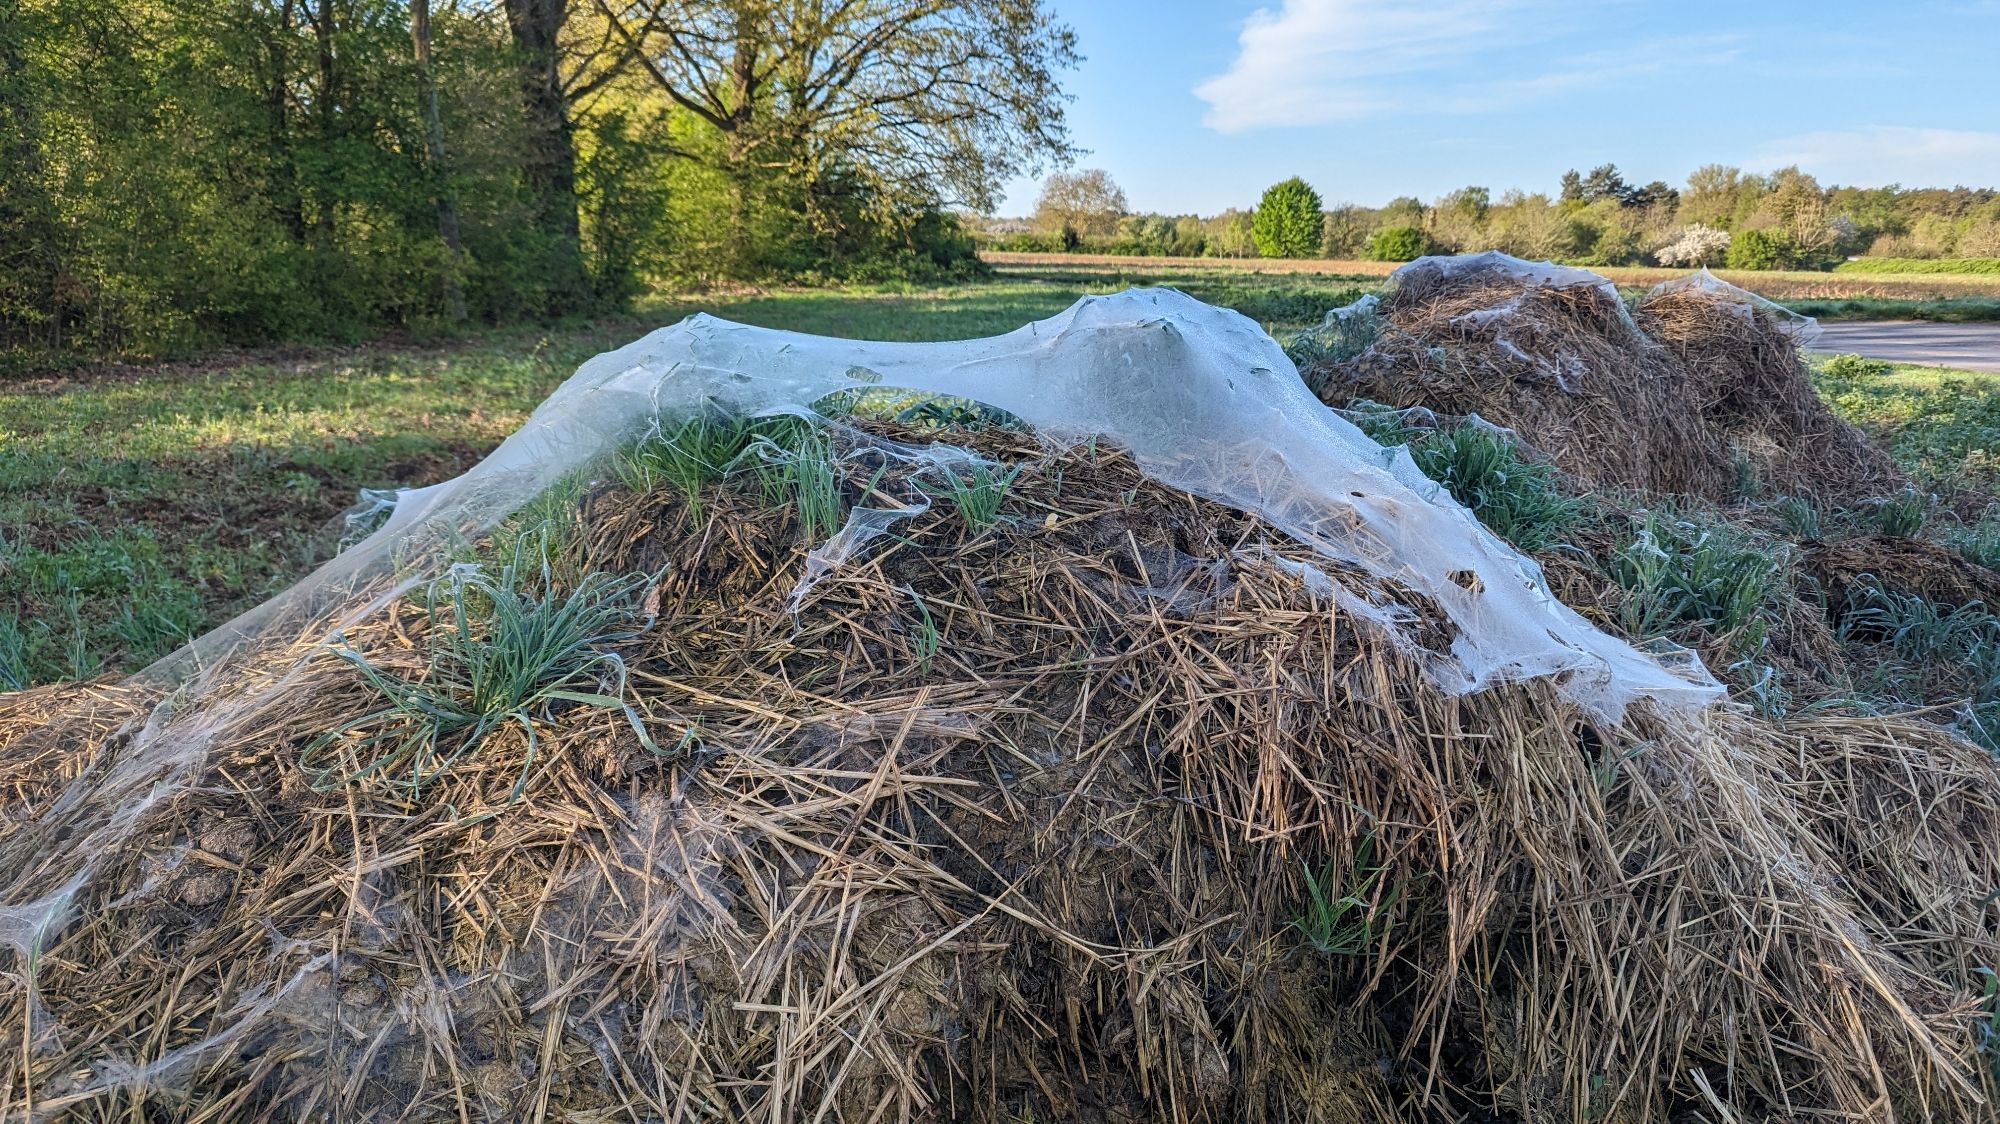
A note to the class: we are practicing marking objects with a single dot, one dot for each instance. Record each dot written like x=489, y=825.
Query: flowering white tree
x=1694, y=245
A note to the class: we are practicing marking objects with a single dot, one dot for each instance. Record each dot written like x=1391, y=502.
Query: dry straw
x=1035, y=853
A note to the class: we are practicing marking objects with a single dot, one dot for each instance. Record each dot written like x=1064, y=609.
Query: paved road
x=1973, y=346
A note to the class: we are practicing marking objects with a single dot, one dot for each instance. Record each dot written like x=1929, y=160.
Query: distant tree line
x=177, y=174
x=1721, y=216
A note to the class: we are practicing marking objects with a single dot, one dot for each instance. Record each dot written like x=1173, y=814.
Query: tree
x=29, y=255
x=438, y=161
x=1761, y=249
x=1398, y=243
x=1711, y=195
x=1288, y=223
x=548, y=165
x=1604, y=182
x=1346, y=231
x=1079, y=204
x=858, y=108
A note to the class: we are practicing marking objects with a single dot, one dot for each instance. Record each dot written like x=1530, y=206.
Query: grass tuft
x=1341, y=921
x=1518, y=498
x=504, y=649
x=1683, y=572
x=978, y=491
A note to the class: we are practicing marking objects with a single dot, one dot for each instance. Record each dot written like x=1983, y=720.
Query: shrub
x=1288, y=223
x=1762, y=249
x=1695, y=245
x=1854, y=367
x=1398, y=243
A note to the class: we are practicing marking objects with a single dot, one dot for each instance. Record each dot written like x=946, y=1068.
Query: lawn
x=1940, y=423
x=139, y=506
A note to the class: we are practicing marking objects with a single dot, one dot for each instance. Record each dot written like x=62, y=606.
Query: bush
x=1288, y=223
x=1695, y=245
x=1398, y=243
x=1763, y=249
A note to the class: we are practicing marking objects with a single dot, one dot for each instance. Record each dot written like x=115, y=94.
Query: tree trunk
x=327, y=97
x=440, y=168
x=549, y=165
x=29, y=257
x=285, y=198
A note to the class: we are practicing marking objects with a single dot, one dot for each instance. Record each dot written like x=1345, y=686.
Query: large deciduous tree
x=831, y=108
x=1085, y=203
x=548, y=159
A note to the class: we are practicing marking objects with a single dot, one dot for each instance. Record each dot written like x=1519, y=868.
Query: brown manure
x=1847, y=569
x=1023, y=823
x=1695, y=391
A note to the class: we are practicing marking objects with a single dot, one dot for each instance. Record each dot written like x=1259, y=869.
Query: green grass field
x=141, y=506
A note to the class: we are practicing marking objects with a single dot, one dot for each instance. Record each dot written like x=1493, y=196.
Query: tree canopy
x=1288, y=222
x=176, y=174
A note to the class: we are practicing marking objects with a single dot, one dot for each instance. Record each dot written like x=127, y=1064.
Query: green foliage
x=1901, y=516
x=1978, y=543
x=1983, y=267
x=1398, y=243
x=1288, y=223
x=1762, y=249
x=977, y=490
x=1345, y=910
x=1683, y=572
x=1853, y=367
x=1942, y=427
x=503, y=649
x=1518, y=498
x=1344, y=333
x=1799, y=517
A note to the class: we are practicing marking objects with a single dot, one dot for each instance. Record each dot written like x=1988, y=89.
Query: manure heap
x=745, y=739
x=1695, y=387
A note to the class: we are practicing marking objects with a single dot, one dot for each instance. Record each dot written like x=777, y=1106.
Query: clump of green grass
x=977, y=490
x=1854, y=367
x=1799, y=517
x=1901, y=516
x=945, y=412
x=1344, y=333
x=1682, y=572
x=791, y=459
x=925, y=641
x=1935, y=652
x=1344, y=909
x=504, y=649
x=1518, y=498
x=1979, y=542
x=1385, y=425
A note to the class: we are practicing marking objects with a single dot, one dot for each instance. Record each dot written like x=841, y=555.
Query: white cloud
x=1314, y=62
x=1311, y=62
x=1882, y=154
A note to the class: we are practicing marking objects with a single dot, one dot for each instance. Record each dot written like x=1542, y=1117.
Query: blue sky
x=1198, y=105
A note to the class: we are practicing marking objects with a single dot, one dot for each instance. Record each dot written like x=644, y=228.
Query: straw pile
x=1045, y=866
x=1690, y=393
